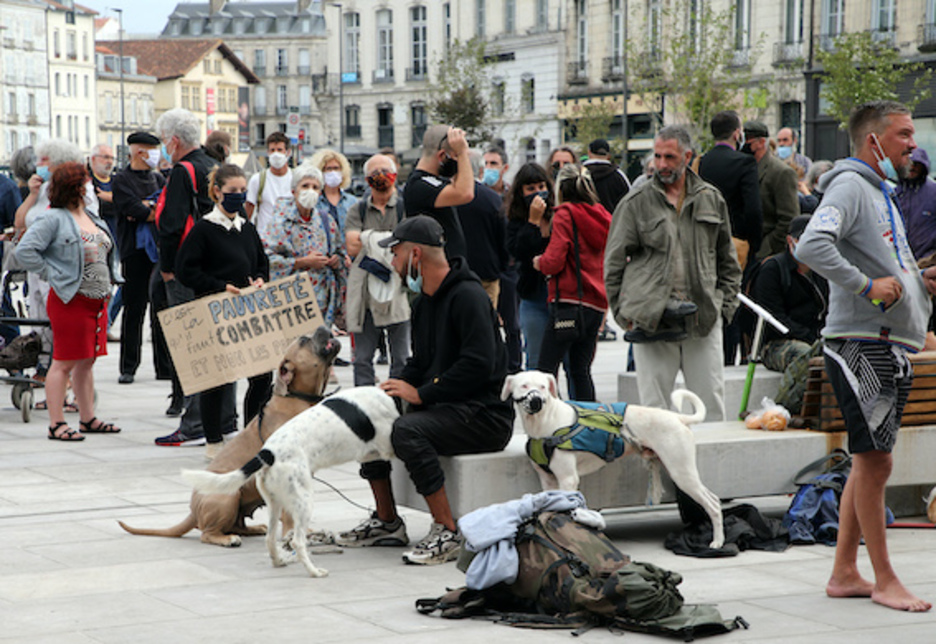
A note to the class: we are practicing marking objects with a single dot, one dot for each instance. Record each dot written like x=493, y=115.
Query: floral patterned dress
x=289, y=237
x=339, y=211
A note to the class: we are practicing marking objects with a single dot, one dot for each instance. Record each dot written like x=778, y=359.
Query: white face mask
x=333, y=178
x=152, y=158
x=278, y=160
x=308, y=198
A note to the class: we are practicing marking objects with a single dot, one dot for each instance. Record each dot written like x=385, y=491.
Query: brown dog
x=299, y=384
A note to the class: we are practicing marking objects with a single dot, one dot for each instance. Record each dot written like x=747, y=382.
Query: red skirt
x=79, y=328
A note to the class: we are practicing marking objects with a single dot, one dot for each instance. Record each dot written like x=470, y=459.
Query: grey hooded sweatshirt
x=857, y=235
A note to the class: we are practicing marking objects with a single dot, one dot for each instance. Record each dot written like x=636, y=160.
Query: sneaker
x=178, y=439
x=374, y=532
x=439, y=546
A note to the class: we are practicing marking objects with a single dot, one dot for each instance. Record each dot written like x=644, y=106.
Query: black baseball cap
x=419, y=229
x=143, y=138
x=599, y=146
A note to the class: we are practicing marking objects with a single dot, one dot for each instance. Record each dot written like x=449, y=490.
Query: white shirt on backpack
x=274, y=187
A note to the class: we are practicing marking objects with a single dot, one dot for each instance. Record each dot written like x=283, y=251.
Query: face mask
x=333, y=178
x=413, y=283
x=152, y=158
x=308, y=198
x=491, y=176
x=449, y=167
x=883, y=161
x=382, y=181
x=233, y=202
x=278, y=160
x=165, y=152
x=43, y=172
x=785, y=151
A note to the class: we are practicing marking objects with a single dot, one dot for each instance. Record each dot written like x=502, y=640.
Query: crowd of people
x=466, y=273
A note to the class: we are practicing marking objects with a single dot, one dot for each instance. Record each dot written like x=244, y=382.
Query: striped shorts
x=871, y=381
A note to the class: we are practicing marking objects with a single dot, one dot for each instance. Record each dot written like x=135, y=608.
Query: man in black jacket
x=134, y=188
x=451, y=383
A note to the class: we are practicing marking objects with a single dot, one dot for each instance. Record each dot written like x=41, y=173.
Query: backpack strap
x=263, y=176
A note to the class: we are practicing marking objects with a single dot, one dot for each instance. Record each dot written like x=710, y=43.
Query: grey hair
x=386, y=156
x=872, y=116
x=647, y=160
x=476, y=159
x=97, y=149
x=816, y=170
x=23, y=163
x=306, y=170
x=179, y=123
x=676, y=133
x=58, y=151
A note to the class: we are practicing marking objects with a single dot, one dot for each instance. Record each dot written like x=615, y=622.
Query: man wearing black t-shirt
x=442, y=180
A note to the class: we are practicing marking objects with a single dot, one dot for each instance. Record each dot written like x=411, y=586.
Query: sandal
x=68, y=434
x=68, y=407
x=100, y=428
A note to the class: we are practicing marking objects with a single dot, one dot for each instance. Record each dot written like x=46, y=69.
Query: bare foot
x=853, y=585
x=896, y=596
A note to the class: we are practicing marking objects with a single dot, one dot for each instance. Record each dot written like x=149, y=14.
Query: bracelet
x=867, y=289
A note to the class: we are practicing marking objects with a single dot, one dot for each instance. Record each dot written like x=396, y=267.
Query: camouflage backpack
x=573, y=576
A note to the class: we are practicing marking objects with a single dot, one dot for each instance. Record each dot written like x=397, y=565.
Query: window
x=31, y=104
x=832, y=17
x=793, y=22
x=418, y=119
x=654, y=28
x=883, y=19
x=58, y=127
x=742, y=35
x=239, y=53
x=510, y=16
x=384, y=45
x=542, y=15
x=498, y=94
x=353, y=122
x=87, y=86
x=282, y=62
x=196, y=27
x=529, y=150
x=385, y=126
x=55, y=44
x=352, y=43
x=304, y=69
x=87, y=129
x=305, y=99
x=109, y=108
x=186, y=97
x=617, y=32
x=260, y=133
x=259, y=67
x=206, y=66
x=527, y=94
x=133, y=110
x=84, y=46
x=260, y=101
x=282, y=99
x=447, y=15
x=581, y=37
x=481, y=18
x=11, y=105
x=71, y=45
x=58, y=84
x=791, y=115
x=419, y=41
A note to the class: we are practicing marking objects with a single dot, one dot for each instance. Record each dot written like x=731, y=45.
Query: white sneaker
x=439, y=546
x=374, y=532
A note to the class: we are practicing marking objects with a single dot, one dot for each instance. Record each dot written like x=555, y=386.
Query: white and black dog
x=658, y=435
x=349, y=426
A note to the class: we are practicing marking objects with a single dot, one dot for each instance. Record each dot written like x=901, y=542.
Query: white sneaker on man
x=439, y=546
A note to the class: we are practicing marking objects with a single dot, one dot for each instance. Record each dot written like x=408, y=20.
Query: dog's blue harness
x=598, y=428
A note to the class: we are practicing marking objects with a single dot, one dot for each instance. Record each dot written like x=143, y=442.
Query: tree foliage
x=593, y=121
x=857, y=69
x=459, y=93
x=695, y=64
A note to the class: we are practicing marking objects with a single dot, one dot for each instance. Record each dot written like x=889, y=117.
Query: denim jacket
x=53, y=249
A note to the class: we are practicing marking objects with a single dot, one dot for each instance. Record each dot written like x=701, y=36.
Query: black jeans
x=581, y=354
x=212, y=403
x=419, y=438
x=137, y=269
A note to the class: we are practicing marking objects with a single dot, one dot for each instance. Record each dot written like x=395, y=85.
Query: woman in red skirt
x=74, y=251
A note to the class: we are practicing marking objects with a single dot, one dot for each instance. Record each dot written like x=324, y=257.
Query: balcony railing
x=383, y=76
x=740, y=58
x=419, y=73
x=353, y=131
x=282, y=110
x=577, y=73
x=282, y=70
x=826, y=42
x=259, y=70
x=926, y=37
x=612, y=68
x=303, y=70
x=650, y=64
x=385, y=136
x=787, y=53
x=259, y=110
x=886, y=36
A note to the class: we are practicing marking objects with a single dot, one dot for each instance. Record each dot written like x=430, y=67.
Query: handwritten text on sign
x=221, y=338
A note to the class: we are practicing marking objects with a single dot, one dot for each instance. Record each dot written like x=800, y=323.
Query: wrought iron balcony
x=612, y=68
x=383, y=76
x=418, y=73
x=926, y=37
x=787, y=53
x=577, y=73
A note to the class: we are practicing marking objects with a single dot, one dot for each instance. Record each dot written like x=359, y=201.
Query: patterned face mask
x=381, y=181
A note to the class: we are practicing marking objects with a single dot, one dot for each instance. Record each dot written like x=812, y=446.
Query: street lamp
x=341, y=113
x=120, y=64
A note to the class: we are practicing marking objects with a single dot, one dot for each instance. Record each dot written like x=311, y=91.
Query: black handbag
x=567, y=320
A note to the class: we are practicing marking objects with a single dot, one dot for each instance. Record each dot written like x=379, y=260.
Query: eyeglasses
x=442, y=141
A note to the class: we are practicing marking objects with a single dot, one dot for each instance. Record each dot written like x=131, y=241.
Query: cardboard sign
x=221, y=338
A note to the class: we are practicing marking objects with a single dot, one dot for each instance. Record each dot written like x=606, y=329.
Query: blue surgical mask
x=414, y=284
x=43, y=172
x=164, y=152
x=785, y=151
x=491, y=176
x=884, y=162
x=233, y=202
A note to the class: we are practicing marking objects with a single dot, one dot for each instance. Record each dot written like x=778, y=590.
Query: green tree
x=696, y=58
x=857, y=69
x=593, y=121
x=459, y=95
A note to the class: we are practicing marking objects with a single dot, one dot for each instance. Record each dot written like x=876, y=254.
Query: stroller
x=19, y=352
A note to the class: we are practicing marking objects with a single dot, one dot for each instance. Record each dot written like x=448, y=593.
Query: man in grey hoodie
x=878, y=310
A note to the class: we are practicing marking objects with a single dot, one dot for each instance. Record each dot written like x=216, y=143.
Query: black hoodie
x=610, y=182
x=458, y=353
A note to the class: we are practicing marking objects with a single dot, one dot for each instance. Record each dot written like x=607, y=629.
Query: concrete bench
x=734, y=462
x=766, y=383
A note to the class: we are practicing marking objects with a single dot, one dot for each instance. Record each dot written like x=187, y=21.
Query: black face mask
x=448, y=168
x=746, y=148
x=528, y=199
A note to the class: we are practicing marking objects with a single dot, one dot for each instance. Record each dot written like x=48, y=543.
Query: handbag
x=567, y=320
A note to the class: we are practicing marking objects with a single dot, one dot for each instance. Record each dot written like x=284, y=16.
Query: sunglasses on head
x=442, y=141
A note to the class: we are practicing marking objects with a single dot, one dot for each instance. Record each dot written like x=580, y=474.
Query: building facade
x=24, y=76
x=123, y=106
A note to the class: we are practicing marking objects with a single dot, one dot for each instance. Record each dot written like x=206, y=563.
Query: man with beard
x=441, y=180
x=672, y=276
x=878, y=310
x=916, y=194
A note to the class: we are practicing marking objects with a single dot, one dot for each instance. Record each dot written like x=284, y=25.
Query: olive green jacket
x=779, y=202
x=639, y=256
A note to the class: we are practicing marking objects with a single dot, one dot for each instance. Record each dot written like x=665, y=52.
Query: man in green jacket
x=670, y=242
x=778, y=189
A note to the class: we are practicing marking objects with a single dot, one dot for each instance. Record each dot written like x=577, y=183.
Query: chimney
x=216, y=6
